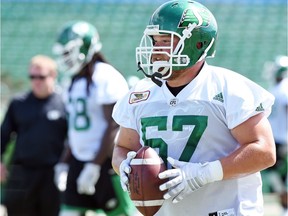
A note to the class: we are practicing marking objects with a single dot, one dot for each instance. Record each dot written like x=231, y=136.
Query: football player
x=95, y=87
x=209, y=124
x=279, y=123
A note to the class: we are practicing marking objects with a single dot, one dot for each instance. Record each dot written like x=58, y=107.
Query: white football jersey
x=279, y=116
x=195, y=126
x=86, y=119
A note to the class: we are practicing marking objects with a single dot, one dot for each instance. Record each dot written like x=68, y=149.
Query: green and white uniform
x=86, y=118
x=195, y=126
x=87, y=125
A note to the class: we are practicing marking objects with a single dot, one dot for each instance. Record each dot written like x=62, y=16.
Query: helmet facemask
x=69, y=57
x=76, y=46
x=146, y=51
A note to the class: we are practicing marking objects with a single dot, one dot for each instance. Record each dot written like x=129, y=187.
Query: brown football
x=144, y=181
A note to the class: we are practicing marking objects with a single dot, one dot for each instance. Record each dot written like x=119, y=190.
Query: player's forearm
x=3, y=172
x=106, y=147
x=246, y=160
x=119, y=154
x=127, y=140
x=66, y=154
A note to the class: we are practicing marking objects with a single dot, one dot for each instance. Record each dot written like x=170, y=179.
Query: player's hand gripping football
x=88, y=178
x=188, y=177
x=125, y=170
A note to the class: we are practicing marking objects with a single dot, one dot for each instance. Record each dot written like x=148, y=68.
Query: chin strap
x=155, y=77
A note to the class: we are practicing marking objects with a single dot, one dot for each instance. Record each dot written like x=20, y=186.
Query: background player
x=95, y=87
x=278, y=69
x=210, y=122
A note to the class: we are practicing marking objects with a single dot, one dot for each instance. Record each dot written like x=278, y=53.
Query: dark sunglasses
x=39, y=77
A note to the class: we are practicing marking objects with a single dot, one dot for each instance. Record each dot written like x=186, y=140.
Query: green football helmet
x=280, y=67
x=75, y=46
x=196, y=28
x=277, y=69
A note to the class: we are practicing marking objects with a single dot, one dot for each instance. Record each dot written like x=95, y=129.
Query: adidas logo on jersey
x=219, y=97
x=260, y=108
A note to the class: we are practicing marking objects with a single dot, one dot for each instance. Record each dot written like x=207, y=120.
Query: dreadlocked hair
x=87, y=71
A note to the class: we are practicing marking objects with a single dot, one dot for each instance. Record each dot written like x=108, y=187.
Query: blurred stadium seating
x=250, y=33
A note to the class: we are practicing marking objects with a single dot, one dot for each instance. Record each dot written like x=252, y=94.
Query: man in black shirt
x=39, y=121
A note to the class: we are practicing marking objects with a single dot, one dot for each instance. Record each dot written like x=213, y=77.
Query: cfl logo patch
x=173, y=102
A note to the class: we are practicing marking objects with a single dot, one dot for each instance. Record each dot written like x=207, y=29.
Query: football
x=144, y=181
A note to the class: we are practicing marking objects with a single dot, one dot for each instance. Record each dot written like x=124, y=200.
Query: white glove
x=88, y=178
x=60, y=175
x=125, y=170
x=189, y=177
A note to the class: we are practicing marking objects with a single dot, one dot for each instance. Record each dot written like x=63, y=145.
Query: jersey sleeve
x=125, y=110
x=245, y=99
x=122, y=113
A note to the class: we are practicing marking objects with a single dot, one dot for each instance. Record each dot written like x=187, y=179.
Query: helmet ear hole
x=199, y=45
